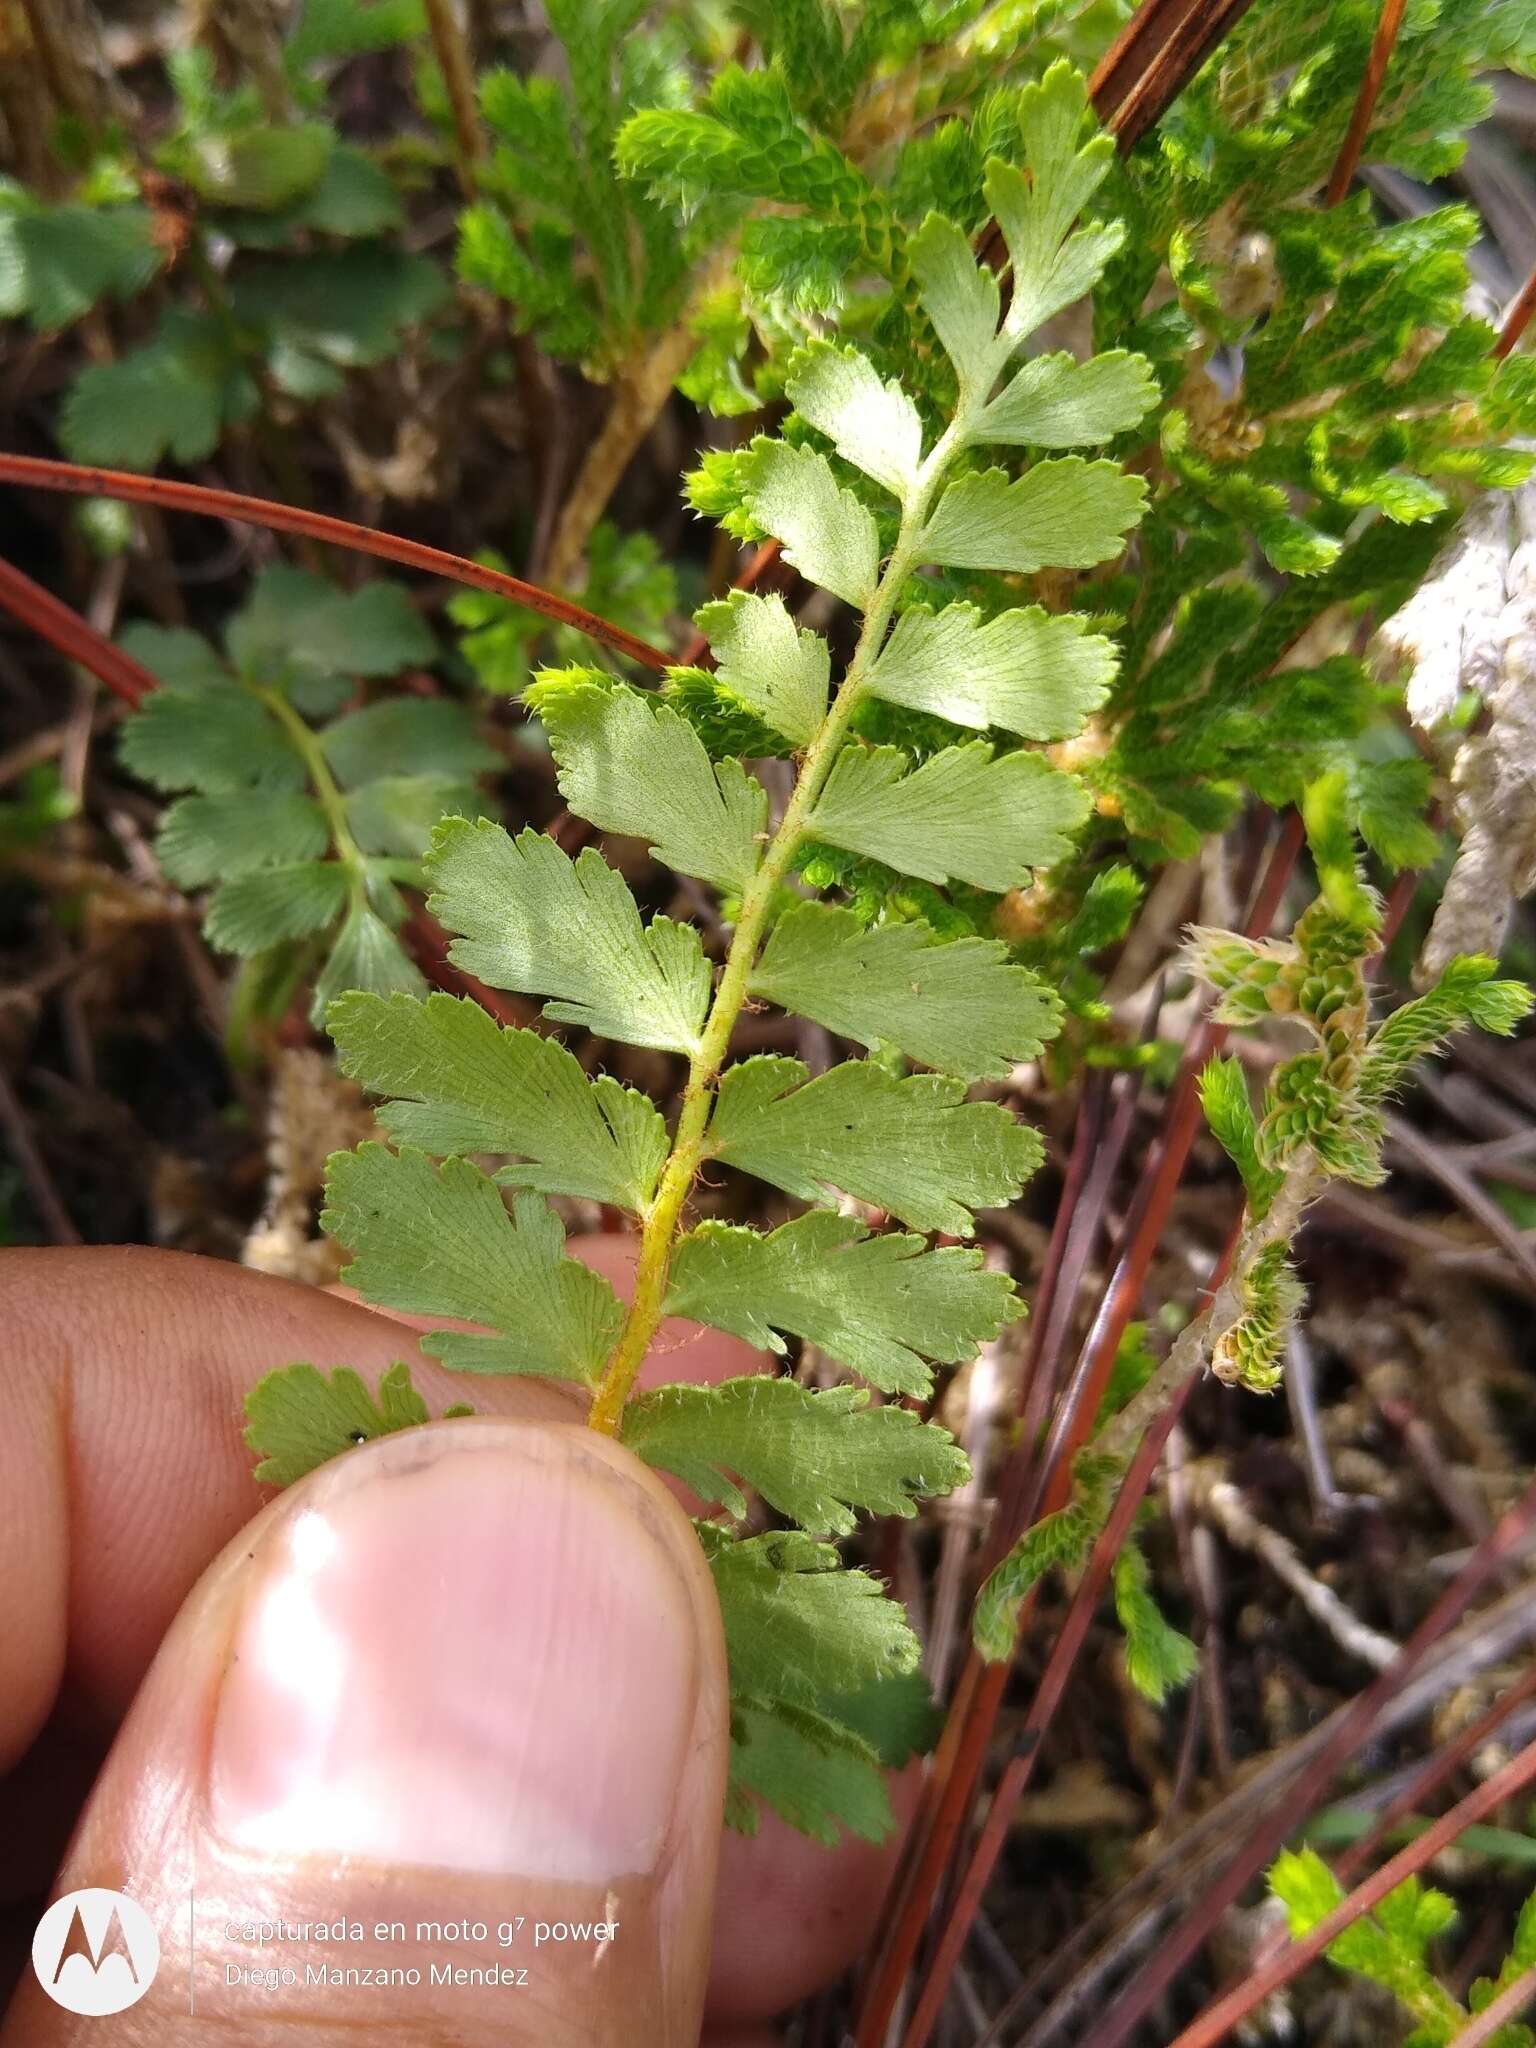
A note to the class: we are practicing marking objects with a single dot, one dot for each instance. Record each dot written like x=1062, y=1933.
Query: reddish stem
x=967, y=1733
x=1048, y=1697
x=1431, y=1774
x=1258, y=1851
x=1517, y=319
x=1511, y=2002
x=1215, y=2024
x=73, y=636
x=1382, y=44
x=83, y=482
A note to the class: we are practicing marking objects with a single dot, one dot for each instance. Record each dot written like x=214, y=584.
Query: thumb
x=434, y=1753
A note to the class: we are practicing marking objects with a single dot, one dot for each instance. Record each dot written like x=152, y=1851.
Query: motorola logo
x=95, y=1952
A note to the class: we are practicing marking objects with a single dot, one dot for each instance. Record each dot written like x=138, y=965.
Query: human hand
x=463, y=1675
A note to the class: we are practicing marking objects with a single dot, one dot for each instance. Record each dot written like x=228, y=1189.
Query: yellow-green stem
x=689, y=1145
x=327, y=792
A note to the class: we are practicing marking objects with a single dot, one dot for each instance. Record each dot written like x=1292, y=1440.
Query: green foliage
x=914, y=1147
x=475, y=1243
x=463, y=1083
x=440, y=1241
x=1158, y=1659
x=1320, y=1117
x=1108, y=549
x=627, y=583
x=881, y=1306
x=1063, y=1538
x=959, y=1006
x=1391, y=1947
x=800, y=1632
x=303, y=830
x=813, y=1456
x=589, y=263
x=299, y=1417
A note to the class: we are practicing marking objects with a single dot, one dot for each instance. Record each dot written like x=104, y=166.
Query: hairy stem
x=689, y=1144
x=640, y=390
x=1196, y=1341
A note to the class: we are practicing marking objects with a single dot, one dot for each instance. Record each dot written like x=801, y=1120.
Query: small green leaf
x=1229, y=1112
x=300, y=1418
x=871, y=423
x=960, y=297
x=366, y=956
x=1065, y=163
x=463, y=1083
x=772, y=665
x=1035, y=673
x=259, y=168
x=808, y=1771
x=797, y=1625
x=1060, y=1538
x=1057, y=402
x=538, y=922
x=960, y=1006
x=267, y=905
x=881, y=1306
x=439, y=1241
x=963, y=815
x=1064, y=513
x=1158, y=1659
x=297, y=624
x=429, y=734
x=633, y=765
x=208, y=839
x=915, y=1147
x=217, y=741
x=828, y=535
x=814, y=1455
x=397, y=814
x=179, y=659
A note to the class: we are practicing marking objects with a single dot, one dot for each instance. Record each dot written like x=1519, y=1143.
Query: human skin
x=150, y=1590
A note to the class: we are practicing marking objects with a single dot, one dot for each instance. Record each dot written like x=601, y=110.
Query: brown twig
x=1383, y=42
x=453, y=60
x=1154, y=57
x=1431, y=1774
x=1517, y=319
x=1135, y=1915
x=84, y=482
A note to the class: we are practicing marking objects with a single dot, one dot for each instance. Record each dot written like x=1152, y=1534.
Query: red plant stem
x=1048, y=1697
x=1513, y=2000
x=1382, y=44
x=1517, y=319
x=961, y=1754
x=1430, y=1775
x=73, y=636
x=1215, y=2024
x=83, y=482
x=1269, y=1837
x=1152, y=60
